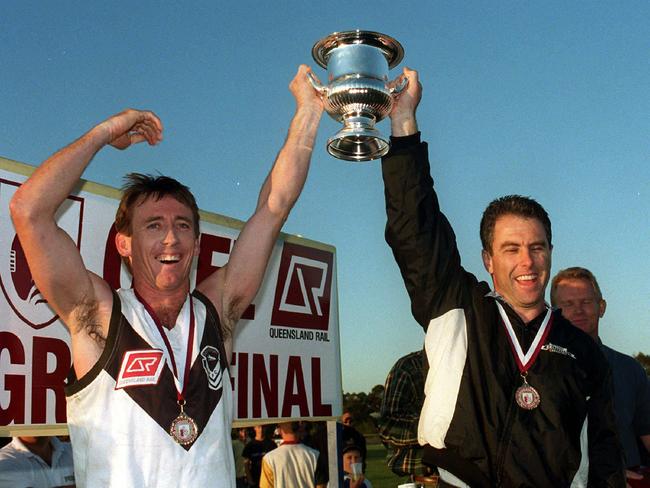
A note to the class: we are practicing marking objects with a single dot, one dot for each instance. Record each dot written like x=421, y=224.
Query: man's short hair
x=290, y=427
x=139, y=187
x=512, y=205
x=574, y=273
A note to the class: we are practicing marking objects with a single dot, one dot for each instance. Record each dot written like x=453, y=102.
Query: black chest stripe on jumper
x=202, y=394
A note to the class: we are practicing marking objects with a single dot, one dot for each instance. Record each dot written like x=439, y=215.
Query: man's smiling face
x=580, y=304
x=520, y=262
x=162, y=244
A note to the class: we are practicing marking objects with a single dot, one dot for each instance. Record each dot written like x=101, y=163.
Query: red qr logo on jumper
x=304, y=288
x=140, y=368
x=16, y=279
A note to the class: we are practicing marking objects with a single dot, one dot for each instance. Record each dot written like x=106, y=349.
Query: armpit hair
x=228, y=324
x=227, y=327
x=86, y=318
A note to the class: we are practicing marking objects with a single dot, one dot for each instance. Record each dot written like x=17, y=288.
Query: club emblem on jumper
x=358, y=93
x=210, y=358
x=15, y=276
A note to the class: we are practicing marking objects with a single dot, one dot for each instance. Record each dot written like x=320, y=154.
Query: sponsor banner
x=286, y=360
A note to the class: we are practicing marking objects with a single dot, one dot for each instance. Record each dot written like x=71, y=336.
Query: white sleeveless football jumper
x=120, y=412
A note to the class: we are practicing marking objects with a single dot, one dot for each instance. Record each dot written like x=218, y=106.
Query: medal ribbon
x=525, y=361
x=190, y=345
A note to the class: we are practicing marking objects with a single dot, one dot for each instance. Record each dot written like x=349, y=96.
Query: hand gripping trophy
x=358, y=93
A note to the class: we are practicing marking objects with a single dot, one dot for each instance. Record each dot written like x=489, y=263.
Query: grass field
x=377, y=471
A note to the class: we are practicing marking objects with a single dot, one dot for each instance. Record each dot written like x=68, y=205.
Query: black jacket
x=483, y=437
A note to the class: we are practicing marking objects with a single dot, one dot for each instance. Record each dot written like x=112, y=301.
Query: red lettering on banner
x=233, y=362
x=42, y=380
x=112, y=260
x=320, y=410
x=242, y=386
x=210, y=244
x=265, y=385
x=295, y=380
x=14, y=384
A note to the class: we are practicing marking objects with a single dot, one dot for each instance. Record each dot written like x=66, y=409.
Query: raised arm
x=233, y=287
x=53, y=258
x=422, y=241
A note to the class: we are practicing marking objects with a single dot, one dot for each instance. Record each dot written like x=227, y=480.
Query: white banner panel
x=286, y=359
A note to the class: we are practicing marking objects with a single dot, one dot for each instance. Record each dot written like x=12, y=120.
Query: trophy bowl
x=358, y=93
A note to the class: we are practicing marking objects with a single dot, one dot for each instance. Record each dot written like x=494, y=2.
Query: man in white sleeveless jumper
x=152, y=404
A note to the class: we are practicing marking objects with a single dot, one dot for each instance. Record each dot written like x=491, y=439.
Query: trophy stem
x=364, y=121
x=359, y=140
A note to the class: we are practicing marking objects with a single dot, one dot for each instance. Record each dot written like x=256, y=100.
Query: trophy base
x=358, y=144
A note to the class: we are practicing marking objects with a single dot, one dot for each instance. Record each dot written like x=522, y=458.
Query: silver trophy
x=358, y=92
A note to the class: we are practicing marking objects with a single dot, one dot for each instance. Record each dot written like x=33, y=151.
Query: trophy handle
x=399, y=88
x=317, y=84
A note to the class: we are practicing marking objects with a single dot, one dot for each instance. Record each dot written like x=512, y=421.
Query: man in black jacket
x=514, y=395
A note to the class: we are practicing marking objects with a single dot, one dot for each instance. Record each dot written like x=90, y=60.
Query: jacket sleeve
x=606, y=466
x=421, y=238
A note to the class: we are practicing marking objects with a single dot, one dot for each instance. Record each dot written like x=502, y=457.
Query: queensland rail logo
x=304, y=288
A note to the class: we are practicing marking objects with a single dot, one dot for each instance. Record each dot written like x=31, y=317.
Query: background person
x=347, y=419
x=353, y=476
x=314, y=435
x=291, y=464
x=577, y=293
x=399, y=416
x=36, y=462
x=350, y=435
x=255, y=451
x=238, y=444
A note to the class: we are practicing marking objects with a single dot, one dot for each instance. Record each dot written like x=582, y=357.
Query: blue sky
x=547, y=99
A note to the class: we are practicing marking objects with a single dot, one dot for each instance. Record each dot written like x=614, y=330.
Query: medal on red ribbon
x=526, y=396
x=183, y=428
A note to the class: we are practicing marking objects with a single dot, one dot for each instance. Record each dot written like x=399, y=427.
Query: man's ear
x=601, y=308
x=487, y=261
x=123, y=244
